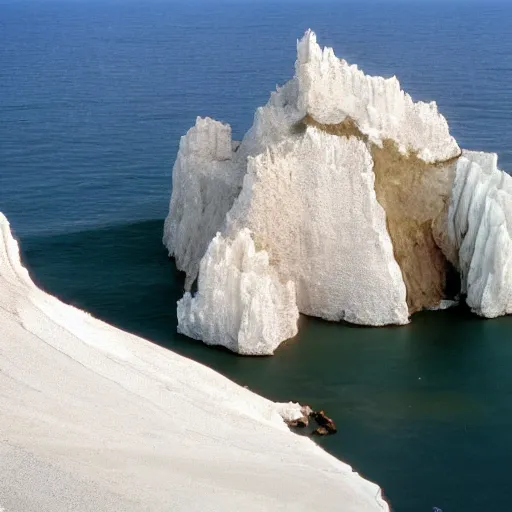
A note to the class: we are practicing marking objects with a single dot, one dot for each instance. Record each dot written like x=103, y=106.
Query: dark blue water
x=93, y=99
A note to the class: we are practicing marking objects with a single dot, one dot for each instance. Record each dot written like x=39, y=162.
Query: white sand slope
x=95, y=419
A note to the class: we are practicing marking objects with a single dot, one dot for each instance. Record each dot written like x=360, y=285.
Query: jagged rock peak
x=330, y=90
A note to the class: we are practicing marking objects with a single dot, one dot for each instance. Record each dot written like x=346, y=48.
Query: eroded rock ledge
x=352, y=202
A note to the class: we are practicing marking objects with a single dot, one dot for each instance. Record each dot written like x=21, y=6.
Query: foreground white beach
x=96, y=419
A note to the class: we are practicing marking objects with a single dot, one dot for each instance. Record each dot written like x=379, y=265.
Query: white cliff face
x=240, y=303
x=480, y=228
x=205, y=182
x=303, y=182
x=330, y=90
x=310, y=202
x=275, y=121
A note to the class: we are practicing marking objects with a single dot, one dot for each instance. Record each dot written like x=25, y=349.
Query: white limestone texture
x=311, y=203
x=306, y=224
x=240, y=302
x=330, y=90
x=205, y=182
x=308, y=199
x=93, y=418
x=480, y=228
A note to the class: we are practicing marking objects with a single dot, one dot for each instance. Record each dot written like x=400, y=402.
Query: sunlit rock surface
x=240, y=302
x=205, y=182
x=346, y=184
x=331, y=241
x=330, y=90
x=480, y=229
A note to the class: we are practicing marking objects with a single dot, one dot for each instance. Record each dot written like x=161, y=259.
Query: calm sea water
x=93, y=99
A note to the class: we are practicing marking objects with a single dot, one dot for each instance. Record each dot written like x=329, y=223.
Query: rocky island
x=346, y=200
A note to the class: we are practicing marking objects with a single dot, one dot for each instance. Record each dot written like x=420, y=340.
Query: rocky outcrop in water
x=346, y=200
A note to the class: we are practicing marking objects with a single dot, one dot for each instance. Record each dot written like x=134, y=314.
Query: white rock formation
x=302, y=181
x=274, y=122
x=330, y=90
x=205, y=182
x=240, y=302
x=310, y=202
x=93, y=418
x=480, y=228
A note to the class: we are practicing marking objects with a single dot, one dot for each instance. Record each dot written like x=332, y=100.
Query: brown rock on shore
x=325, y=422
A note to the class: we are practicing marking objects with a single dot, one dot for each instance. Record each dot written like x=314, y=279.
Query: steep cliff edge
x=479, y=228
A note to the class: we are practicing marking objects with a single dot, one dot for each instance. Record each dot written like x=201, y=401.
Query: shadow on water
x=120, y=274
x=425, y=409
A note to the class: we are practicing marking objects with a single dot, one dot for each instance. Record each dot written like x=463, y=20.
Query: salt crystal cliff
x=480, y=231
x=205, y=182
x=240, y=303
x=345, y=200
x=331, y=90
x=290, y=211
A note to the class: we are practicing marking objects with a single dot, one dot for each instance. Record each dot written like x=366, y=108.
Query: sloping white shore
x=93, y=418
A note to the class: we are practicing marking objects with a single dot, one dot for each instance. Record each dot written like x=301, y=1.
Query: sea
x=94, y=96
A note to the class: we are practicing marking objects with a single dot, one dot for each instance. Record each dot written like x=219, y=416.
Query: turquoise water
x=93, y=99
